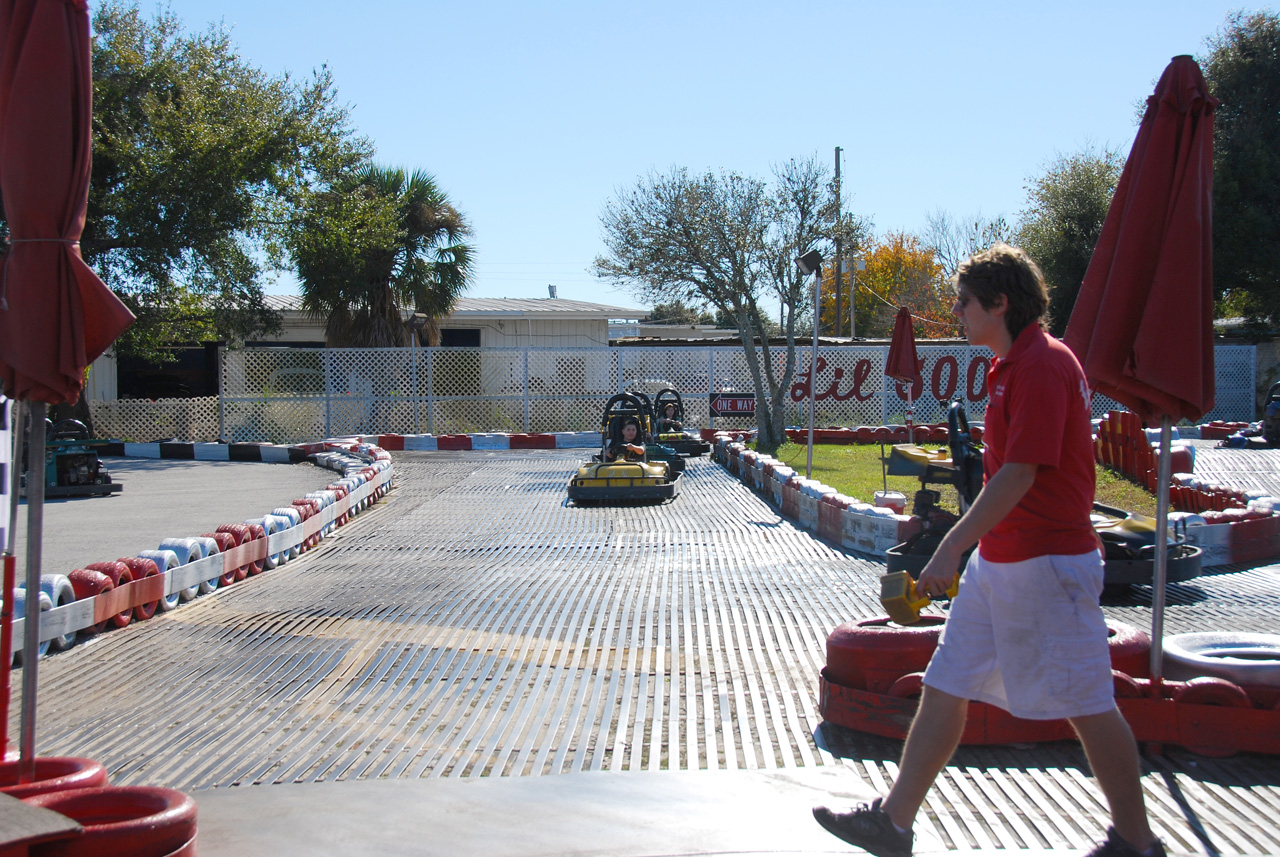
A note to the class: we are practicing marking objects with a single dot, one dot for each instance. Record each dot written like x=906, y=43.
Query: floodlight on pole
x=811, y=263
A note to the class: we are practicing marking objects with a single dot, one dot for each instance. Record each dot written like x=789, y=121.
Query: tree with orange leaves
x=900, y=271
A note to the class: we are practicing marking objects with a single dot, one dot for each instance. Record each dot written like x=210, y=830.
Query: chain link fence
x=291, y=395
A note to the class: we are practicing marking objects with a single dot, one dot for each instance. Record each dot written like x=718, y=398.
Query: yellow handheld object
x=898, y=595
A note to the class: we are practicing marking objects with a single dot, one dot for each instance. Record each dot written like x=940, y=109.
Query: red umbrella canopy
x=56, y=316
x=1142, y=324
x=903, y=363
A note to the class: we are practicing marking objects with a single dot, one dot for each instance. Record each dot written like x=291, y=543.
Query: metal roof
x=501, y=306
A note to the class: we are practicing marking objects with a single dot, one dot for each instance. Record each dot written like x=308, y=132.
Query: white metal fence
x=289, y=395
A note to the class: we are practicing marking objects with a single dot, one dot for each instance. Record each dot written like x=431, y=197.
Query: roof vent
x=551, y=290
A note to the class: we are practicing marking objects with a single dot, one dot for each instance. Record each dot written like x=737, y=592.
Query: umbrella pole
x=1161, y=571
x=31, y=623
x=10, y=573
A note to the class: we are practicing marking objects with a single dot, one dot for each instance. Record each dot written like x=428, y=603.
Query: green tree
x=1243, y=72
x=728, y=241
x=375, y=244
x=199, y=161
x=1059, y=227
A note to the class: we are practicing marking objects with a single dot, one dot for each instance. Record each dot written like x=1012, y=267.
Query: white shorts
x=1029, y=637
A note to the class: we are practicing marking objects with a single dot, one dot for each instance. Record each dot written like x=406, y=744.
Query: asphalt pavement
x=161, y=499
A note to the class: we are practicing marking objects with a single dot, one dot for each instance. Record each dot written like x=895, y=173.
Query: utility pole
x=839, y=256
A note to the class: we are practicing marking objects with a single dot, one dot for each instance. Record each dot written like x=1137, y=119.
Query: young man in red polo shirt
x=1025, y=631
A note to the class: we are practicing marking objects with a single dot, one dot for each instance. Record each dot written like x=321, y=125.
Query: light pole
x=811, y=263
x=856, y=264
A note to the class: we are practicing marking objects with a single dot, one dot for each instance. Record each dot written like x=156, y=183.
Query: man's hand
x=635, y=449
x=939, y=573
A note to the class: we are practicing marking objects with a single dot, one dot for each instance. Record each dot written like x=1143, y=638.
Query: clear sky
x=532, y=115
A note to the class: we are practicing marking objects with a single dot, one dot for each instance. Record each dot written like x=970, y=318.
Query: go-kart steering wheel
x=69, y=430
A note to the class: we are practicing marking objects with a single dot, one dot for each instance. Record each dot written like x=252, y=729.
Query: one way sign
x=733, y=404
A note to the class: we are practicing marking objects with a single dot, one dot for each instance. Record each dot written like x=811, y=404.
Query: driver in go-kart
x=627, y=446
x=668, y=422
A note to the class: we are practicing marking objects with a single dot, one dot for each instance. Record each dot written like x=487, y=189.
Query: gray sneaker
x=867, y=827
x=1114, y=846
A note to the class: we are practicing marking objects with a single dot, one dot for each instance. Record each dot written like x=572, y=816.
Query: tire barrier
x=241, y=534
x=1209, y=715
x=20, y=611
x=120, y=575
x=166, y=561
x=256, y=532
x=270, y=525
x=1246, y=659
x=122, y=821
x=210, y=547
x=133, y=589
x=60, y=593
x=90, y=584
x=187, y=551
x=142, y=569
x=52, y=774
x=291, y=514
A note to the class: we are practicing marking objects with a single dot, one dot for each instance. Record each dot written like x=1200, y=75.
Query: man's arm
x=996, y=499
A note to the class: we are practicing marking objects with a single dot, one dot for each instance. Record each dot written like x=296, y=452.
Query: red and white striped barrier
x=112, y=594
x=819, y=508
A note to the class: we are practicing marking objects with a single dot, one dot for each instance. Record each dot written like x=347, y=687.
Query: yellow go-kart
x=623, y=480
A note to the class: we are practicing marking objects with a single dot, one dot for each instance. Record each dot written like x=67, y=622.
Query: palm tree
x=377, y=244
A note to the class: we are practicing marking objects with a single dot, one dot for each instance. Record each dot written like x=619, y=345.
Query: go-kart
x=71, y=464
x=1128, y=539
x=682, y=440
x=600, y=480
x=642, y=409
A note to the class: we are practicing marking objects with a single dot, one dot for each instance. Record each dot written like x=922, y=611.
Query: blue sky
x=531, y=116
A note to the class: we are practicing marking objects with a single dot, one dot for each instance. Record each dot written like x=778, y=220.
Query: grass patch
x=855, y=470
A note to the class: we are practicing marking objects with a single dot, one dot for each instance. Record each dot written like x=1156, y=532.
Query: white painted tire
x=20, y=611
x=165, y=560
x=60, y=592
x=271, y=524
x=1242, y=658
x=187, y=550
x=210, y=547
x=292, y=515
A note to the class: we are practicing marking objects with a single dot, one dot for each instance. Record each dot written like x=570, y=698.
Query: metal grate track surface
x=475, y=624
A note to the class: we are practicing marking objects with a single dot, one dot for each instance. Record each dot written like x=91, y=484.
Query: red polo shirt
x=1038, y=413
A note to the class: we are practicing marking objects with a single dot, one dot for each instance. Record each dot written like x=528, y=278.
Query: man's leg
x=931, y=741
x=1113, y=755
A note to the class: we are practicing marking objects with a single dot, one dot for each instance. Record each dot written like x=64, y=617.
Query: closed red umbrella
x=1142, y=324
x=56, y=316
x=903, y=363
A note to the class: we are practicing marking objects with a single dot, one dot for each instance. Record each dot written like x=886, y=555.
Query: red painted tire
x=53, y=774
x=1125, y=686
x=1130, y=649
x=1210, y=690
x=122, y=821
x=308, y=508
x=142, y=568
x=341, y=491
x=89, y=583
x=241, y=534
x=874, y=645
x=910, y=686
x=256, y=532
x=120, y=575
x=226, y=541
